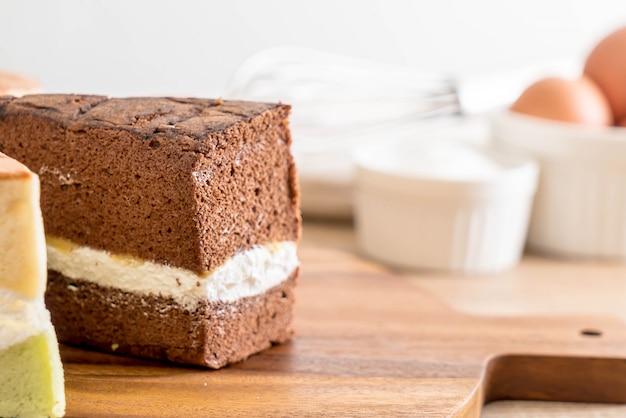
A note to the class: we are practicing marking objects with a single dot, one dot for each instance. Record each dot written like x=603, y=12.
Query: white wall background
x=192, y=47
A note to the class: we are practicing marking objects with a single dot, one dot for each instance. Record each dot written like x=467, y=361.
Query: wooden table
x=539, y=285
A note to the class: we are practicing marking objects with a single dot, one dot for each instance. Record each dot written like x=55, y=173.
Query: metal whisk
x=337, y=99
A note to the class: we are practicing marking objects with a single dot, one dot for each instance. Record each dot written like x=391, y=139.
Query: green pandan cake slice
x=31, y=374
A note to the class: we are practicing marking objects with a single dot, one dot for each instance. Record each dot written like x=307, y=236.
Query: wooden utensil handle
x=555, y=378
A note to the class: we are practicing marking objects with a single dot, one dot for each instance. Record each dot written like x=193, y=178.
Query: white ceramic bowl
x=580, y=207
x=467, y=213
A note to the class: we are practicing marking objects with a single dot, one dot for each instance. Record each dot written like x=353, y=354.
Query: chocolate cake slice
x=171, y=223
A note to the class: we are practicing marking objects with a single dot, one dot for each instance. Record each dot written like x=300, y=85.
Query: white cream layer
x=248, y=273
x=21, y=318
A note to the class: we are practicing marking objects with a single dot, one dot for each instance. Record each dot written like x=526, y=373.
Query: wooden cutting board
x=368, y=344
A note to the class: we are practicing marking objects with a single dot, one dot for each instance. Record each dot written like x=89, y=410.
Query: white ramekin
x=580, y=207
x=411, y=218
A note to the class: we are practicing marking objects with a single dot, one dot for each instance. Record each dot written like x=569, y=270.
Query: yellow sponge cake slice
x=22, y=242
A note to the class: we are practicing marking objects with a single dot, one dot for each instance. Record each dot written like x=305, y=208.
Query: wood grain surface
x=369, y=343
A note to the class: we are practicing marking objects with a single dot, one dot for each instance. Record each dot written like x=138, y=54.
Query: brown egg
x=578, y=101
x=606, y=65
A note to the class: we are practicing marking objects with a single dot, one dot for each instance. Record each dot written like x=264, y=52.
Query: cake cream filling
x=21, y=318
x=248, y=273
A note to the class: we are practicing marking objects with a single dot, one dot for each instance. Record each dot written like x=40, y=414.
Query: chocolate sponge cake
x=171, y=223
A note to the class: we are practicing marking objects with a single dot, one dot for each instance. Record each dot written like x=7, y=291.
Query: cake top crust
x=166, y=117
